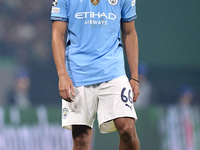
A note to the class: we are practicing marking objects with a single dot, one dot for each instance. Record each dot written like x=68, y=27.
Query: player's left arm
x=130, y=43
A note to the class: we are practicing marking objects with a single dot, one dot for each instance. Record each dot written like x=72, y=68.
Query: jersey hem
x=78, y=84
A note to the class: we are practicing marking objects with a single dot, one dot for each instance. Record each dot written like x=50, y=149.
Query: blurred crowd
x=25, y=30
x=25, y=43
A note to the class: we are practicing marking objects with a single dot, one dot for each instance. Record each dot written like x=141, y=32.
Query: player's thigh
x=81, y=132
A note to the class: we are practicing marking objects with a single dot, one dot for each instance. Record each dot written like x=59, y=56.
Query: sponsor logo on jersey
x=133, y=3
x=55, y=2
x=113, y=2
x=82, y=15
x=95, y=18
x=94, y=2
x=55, y=10
x=65, y=112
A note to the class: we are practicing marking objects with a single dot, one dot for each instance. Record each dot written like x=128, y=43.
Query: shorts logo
x=113, y=2
x=65, y=112
x=127, y=100
x=95, y=2
x=55, y=2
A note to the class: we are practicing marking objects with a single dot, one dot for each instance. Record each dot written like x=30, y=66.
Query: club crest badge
x=113, y=2
x=95, y=2
x=55, y=2
x=65, y=112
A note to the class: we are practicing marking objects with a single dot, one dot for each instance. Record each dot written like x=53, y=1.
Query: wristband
x=135, y=80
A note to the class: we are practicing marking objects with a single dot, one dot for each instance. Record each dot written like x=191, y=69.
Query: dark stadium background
x=169, y=43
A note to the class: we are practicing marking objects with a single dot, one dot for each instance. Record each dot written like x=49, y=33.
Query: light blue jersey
x=94, y=53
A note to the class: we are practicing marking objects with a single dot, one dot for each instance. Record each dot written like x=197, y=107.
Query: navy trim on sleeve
x=53, y=18
x=129, y=19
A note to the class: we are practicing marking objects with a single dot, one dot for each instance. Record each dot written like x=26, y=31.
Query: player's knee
x=128, y=133
x=82, y=140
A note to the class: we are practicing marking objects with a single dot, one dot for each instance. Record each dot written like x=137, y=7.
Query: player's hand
x=65, y=88
x=135, y=89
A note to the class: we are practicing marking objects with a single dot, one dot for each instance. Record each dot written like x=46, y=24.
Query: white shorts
x=111, y=100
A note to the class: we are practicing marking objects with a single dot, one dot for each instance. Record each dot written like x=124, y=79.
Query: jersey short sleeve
x=129, y=10
x=59, y=10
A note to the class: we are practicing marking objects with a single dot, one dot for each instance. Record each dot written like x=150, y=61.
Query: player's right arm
x=65, y=84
